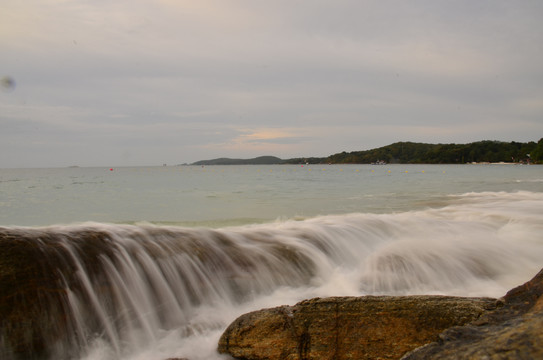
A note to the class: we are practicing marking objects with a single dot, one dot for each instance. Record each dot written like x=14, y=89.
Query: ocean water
x=195, y=247
x=235, y=195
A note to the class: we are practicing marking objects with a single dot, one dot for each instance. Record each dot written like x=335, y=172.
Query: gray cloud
x=145, y=82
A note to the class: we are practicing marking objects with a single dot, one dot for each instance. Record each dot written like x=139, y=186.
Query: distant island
x=486, y=151
x=261, y=160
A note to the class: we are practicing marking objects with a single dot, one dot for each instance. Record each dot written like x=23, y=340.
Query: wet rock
x=415, y=327
x=512, y=331
x=348, y=327
x=33, y=293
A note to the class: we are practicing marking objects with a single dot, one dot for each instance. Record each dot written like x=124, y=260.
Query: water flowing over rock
x=61, y=288
x=383, y=327
x=105, y=291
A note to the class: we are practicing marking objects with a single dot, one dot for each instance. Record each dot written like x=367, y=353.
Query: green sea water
x=217, y=196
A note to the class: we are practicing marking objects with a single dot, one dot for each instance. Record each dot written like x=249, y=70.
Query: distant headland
x=261, y=160
x=486, y=151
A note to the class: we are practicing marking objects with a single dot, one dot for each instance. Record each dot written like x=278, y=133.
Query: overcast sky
x=143, y=82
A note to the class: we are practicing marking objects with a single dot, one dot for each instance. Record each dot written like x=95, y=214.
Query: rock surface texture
x=407, y=328
x=513, y=331
x=369, y=327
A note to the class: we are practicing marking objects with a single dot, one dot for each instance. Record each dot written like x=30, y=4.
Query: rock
x=33, y=293
x=369, y=327
x=513, y=331
x=57, y=291
x=388, y=327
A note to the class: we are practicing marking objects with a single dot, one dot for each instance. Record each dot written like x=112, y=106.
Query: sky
x=148, y=82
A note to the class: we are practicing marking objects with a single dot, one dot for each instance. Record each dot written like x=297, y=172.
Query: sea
x=197, y=246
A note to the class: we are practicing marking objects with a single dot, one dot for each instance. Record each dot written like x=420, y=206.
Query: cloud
x=276, y=141
x=177, y=81
x=270, y=136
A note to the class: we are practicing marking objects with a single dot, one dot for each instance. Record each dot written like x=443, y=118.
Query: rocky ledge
x=391, y=327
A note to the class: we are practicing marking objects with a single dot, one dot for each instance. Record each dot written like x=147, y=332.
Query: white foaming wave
x=475, y=236
x=481, y=244
x=529, y=180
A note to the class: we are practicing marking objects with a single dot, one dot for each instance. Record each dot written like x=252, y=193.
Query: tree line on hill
x=418, y=153
x=261, y=160
x=414, y=153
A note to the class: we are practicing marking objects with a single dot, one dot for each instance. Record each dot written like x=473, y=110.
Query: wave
x=121, y=290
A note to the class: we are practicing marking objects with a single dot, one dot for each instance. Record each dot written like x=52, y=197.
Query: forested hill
x=261, y=160
x=413, y=153
x=419, y=153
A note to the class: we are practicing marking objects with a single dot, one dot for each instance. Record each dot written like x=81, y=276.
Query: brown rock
x=41, y=270
x=33, y=294
x=513, y=331
x=348, y=327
